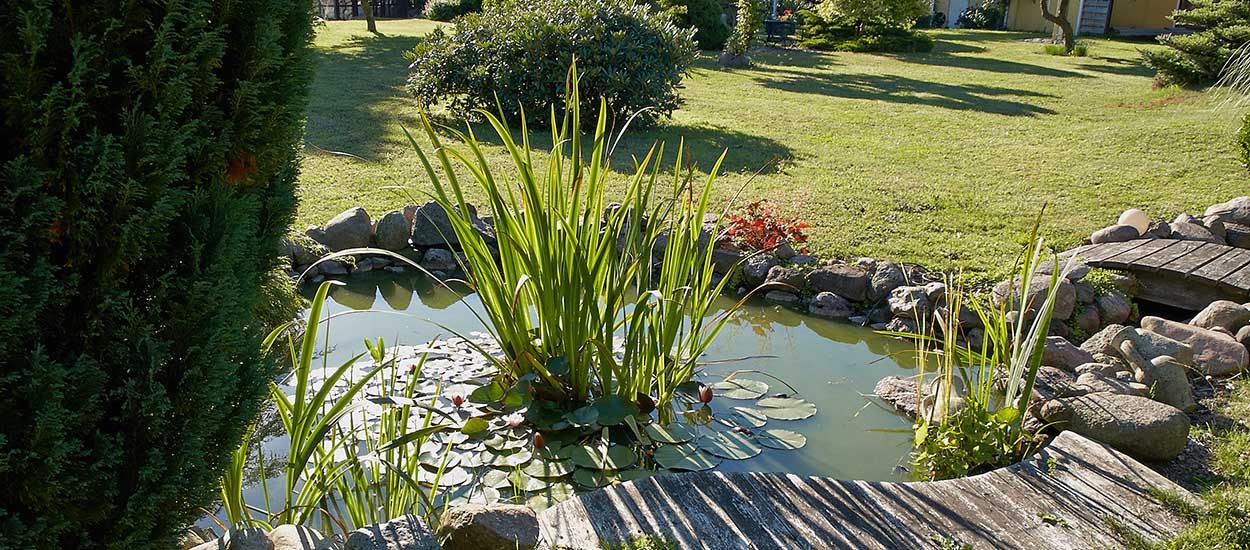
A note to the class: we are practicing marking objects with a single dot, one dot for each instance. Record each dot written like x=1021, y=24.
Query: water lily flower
x=539, y=442
x=457, y=400
x=705, y=394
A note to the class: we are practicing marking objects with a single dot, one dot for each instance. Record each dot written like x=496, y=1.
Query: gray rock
x=1194, y=232
x=886, y=277
x=298, y=537
x=1243, y=336
x=493, y=527
x=782, y=297
x=1106, y=341
x=1164, y=375
x=438, y=259
x=830, y=306
x=333, y=268
x=784, y=251
x=910, y=302
x=1151, y=345
x=1057, y=383
x=1114, y=308
x=1237, y=235
x=1216, y=227
x=189, y=539
x=1160, y=229
x=1223, y=314
x=1114, y=234
x=902, y=325
x=1097, y=383
x=1061, y=354
x=1085, y=292
x=239, y=539
x=402, y=533
x=1234, y=211
x=936, y=292
x=724, y=260
x=1079, y=269
x=317, y=234
x=432, y=227
x=1009, y=292
x=1058, y=329
x=350, y=229
x=1140, y=427
x=755, y=269
x=804, y=259
x=846, y=281
x=880, y=314
x=900, y=392
x=392, y=231
x=1214, y=353
x=1186, y=218
x=1089, y=320
x=1101, y=369
x=793, y=279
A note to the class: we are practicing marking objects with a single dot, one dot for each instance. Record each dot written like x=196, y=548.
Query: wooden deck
x=1184, y=274
x=1062, y=498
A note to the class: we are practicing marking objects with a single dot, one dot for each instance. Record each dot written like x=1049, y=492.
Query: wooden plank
x=1103, y=251
x=1201, y=256
x=1238, y=279
x=1232, y=261
x=1126, y=260
x=1164, y=257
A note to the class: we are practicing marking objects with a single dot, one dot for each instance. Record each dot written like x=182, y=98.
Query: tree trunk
x=367, y=6
x=1061, y=20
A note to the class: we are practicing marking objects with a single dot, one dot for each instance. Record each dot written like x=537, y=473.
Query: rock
x=1061, y=354
x=438, y=259
x=1234, y=211
x=333, y=268
x=1135, y=218
x=1160, y=229
x=1089, y=320
x=900, y=392
x=1164, y=375
x=886, y=277
x=846, y=281
x=189, y=539
x=1151, y=345
x=880, y=314
x=1101, y=369
x=782, y=297
x=392, y=231
x=316, y=233
x=1216, y=227
x=867, y=264
x=1057, y=383
x=1224, y=314
x=239, y=539
x=1107, y=340
x=784, y=251
x=1186, y=218
x=1243, y=336
x=1097, y=383
x=830, y=306
x=1194, y=232
x=402, y=533
x=902, y=325
x=1077, y=272
x=350, y=229
x=1237, y=235
x=1214, y=354
x=1143, y=428
x=493, y=527
x=1115, y=234
x=793, y=279
x=1224, y=331
x=755, y=269
x=1114, y=308
x=804, y=259
x=910, y=302
x=1065, y=296
x=1085, y=292
x=298, y=537
x=1059, y=329
x=937, y=403
x=724, y=260
x=936, y=292
x=432, y=227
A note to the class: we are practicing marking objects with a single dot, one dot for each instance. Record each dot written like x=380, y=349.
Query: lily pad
x=519, y=458
x=675, y=432
x=778, y=438
x=552, y=495
x=751, y=417
x=471, y=493
x=451, y=477
x=525, y=482
x=636, y=473
x=786, y=408
x=475, y=459
x=741, y=388
x=495, y=478
x=731, y=445
x=549, y=468
x=435, y=460
x=584, y=416
x=500, y=442
x=590, y=479
x=686, y=457
x=617, y=457
x=613, y=409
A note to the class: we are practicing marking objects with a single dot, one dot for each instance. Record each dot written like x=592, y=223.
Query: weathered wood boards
x=1063, y=497
x=1184, y=274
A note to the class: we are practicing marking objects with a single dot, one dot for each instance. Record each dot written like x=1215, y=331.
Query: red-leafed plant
x=761, y=228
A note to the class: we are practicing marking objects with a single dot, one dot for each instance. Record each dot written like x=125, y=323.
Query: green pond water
x=833, y=365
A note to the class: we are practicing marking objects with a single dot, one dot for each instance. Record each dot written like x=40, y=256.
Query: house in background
x=1095, y=17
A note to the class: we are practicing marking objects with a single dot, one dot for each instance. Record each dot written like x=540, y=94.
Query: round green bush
x=147, y=173
x=629, y=54
x=446, y=10
x=1196, y=59
x=704, y=16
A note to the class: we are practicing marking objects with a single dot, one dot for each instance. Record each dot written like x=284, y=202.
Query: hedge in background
x=446, y=10
x=147, y=168
x=1196, y=59
x=1243, y=139
x=630, y=54
x=704, y=16
x=821, y=33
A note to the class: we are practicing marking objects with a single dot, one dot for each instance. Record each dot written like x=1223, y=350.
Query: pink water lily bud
x=705, y=394
x=539, y=442
x=457, y=400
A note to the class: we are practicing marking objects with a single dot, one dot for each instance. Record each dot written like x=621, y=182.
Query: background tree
x=1060, y=19
x=1196, y=59
x=750, y=19
x=370, y=23
x=869, y=15
x=148, y=157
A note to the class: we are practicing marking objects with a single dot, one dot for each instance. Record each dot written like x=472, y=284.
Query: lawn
x=941, y=158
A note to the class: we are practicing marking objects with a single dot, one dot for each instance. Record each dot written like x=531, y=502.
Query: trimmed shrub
x=1196, y=59
x=147, y=173
x=869, y=17
x=988, y=15
x=446, y=10
x=819, y=33
x=1079, y=50
x=704, y=16
x=629, y=54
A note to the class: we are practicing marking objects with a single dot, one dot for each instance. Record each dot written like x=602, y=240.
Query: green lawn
x=940, y=158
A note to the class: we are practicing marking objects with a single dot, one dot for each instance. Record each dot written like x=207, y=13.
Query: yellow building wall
x=1026, y=15
x=1142, y=14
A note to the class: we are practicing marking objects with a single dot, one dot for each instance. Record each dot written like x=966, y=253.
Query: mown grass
x=941, y=158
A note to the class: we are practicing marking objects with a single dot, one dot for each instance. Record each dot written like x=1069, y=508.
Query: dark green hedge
x=148, y=155
x=1196, y=59
x=818, y=33
x=704, y=16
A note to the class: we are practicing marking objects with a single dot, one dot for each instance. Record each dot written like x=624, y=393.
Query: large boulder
x=1188, y=231
x=910, y=302
x=782, y=297
x=1061, y=354
x=1237, y=235
x=886, y=277
x=1223, y=314
x=402, y=533
x=350, y=229
x=786, y=279
x=1234, y=211
x=1115, y=234
x=1106, y=341
x=1009, y=292
x=1088, y=320
x=392, y=231
x=1141, y=427
x=432, y=227
x=900, y=392
x=724, y=260
x=1164, y=375
x=755, y=269
x=849, y=282
x=493, y=527
x=299, y=537
x=439, y=259
x=1114, y=308
x=1215, y=353
x=830, y=306
x=240, y=539
x=1099, y=383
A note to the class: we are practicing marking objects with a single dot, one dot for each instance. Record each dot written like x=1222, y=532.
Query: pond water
x=832, y=365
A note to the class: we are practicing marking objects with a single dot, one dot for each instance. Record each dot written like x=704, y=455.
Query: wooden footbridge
x=1183, y=274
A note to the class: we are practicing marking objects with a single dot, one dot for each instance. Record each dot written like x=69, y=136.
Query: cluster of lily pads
x=506, y=444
